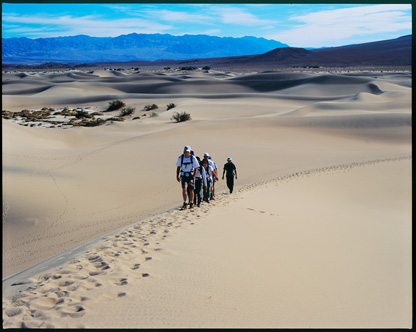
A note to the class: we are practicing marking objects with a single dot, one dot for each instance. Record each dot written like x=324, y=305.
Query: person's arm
x=204, y=178
x=223, y=172
x=235, y=169
x=178, y=168
x=195, y=165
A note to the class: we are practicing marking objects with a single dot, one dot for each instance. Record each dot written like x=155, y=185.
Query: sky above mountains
x=298, y=25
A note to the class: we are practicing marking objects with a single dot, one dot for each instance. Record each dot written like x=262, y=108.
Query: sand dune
x=82, y=88
x=65, y=188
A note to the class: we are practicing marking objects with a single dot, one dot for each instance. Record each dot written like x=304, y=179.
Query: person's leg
x=206, y=192
x=230, y=183
x=191, y=196
x=209, y=184
x=198, y=191
x=184, y=192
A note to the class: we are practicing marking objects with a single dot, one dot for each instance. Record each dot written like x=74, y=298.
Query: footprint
x=65, y=283
x=44, y=303
x=73, y=311
x=62, y=293
x=11, y=312
x=121, y=282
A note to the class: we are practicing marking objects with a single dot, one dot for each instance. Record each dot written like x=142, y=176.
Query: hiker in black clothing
x=199, y=184
x=231, y=170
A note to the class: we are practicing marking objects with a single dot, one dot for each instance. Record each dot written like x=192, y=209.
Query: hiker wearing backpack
x=231, y=170
x=214, y=174
x=200, y=180
x=185, y=174
x=214, y=178
x=209, y=172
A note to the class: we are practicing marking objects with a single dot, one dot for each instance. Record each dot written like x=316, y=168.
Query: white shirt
x=207, y=173
x=188, y=163
x=212, y=164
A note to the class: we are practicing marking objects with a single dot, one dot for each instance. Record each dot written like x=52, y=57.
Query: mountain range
x=392, y=52
x=139, y=47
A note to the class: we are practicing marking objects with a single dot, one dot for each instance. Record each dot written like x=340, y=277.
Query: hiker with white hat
x=209, y=172
x=214, y=174
x=231, y=170
x=186, y=169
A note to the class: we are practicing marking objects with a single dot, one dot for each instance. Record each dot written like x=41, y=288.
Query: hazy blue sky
x=298, y=25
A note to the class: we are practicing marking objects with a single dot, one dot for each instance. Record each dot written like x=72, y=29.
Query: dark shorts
x=185, y=181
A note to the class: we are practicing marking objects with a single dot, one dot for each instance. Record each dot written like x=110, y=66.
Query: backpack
x=190, y=162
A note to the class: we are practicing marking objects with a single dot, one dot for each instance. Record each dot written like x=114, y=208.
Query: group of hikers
x=198, y=177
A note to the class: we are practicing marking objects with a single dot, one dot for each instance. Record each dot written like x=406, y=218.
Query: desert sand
x=316, y=234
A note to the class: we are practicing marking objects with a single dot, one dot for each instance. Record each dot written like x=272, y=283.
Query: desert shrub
x=153, y=114
x=66, y=112
x=181, y=116
x=7, y=115
x=151, y=107
x=127, y=111
x=24, y=113
x=136, y=118
x=188, y=68
x=115, y=105
x=83, y=114
x=206, y=68
x=171, y=105
x=92, y=123
x=166, y=68
x=115, y=119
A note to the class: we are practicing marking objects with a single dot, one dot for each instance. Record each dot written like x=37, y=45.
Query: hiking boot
x=212, y=198
x=184, y=206
x=191, y=205
x=199, y=204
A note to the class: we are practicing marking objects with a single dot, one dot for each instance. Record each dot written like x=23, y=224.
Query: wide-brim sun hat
x=206, y=154
x=229, y=159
